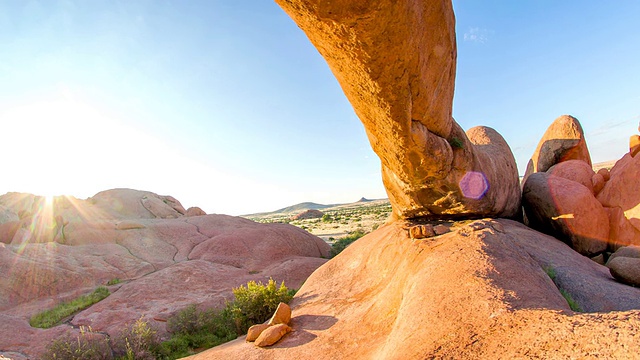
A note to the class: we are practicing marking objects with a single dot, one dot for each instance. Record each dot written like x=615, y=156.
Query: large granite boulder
x=564, y=140
x=396, y=62
x=623, y=190
x=567, y=210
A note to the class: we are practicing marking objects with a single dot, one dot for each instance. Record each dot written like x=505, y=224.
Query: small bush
x=326, y=218
x=342, y=243
x=456, y=142
x=114, y=281
x=52, y=317
x=86, y=346
x=193, y=329
x=255, y=303
x=138, y=341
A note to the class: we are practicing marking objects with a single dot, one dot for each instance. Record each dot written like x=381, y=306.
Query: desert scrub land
x=338, y=220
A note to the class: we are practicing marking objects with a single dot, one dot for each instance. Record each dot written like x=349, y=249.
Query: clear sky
x=227, y=106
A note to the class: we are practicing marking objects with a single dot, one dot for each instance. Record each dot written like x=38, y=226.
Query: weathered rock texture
x=467, y=294
x=568, y=210
x=564, y=140
x=164, y=264
x=592, y=212
x=396, y=61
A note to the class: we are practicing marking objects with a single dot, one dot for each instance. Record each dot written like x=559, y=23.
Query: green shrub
x=52, y=317
x=86, y=346
x=138, y=341
x=193, y=329
x=456, y=142
x=114, y=281
x=326, y=218
x=255, y=303
x=551, y=272
x=339, y=245
x=572, y=303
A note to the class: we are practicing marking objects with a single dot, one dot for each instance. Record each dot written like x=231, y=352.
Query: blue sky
x=227, y=106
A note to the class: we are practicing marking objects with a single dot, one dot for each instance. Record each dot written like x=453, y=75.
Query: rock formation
x=595, y=213
x=163, y=264
x=564, y=140
x=474, y=292
x=271, y=332
x=567, y=210
x=402, y=92
x=308, y=214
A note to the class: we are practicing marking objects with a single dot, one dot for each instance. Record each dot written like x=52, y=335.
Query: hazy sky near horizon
x=226, y=105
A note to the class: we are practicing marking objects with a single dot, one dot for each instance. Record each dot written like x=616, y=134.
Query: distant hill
x=302, y=207
x=298, y=208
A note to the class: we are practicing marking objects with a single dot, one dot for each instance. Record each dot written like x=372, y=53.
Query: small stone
x=497, y=226
x=441, y=229
x=626, y=251
x=282, y=315
x=272, y=334
x=605, y=173
x=421, y=231
x=254, y=332
x=625, y=270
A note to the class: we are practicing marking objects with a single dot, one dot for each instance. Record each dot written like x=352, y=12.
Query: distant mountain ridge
x=302, y=207
x=298, y=208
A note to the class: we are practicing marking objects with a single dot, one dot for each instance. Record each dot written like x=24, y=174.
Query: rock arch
x=396, y=63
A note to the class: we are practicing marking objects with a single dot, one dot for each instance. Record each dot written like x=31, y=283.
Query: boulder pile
x=594, y=213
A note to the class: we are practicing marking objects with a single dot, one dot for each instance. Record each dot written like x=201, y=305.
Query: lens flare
x=474, y=185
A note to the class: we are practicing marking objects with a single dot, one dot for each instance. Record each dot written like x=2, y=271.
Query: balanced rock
x=396, y=62
x=567, y=210
x=564, y=140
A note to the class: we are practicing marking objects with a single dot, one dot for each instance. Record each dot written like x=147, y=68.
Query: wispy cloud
x=477, y=35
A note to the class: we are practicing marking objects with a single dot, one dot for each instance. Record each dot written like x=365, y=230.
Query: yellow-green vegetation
x=551, y=272
x=192, y=330
x=342, y=243
x=138, y=341
x=339, y=220
x=53, y=317
x=86, y=346
x=114, y=281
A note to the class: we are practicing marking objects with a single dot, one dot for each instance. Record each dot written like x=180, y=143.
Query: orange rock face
x=272, y=334
x=469, y=294
x=563, y=140
x=396, y=62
